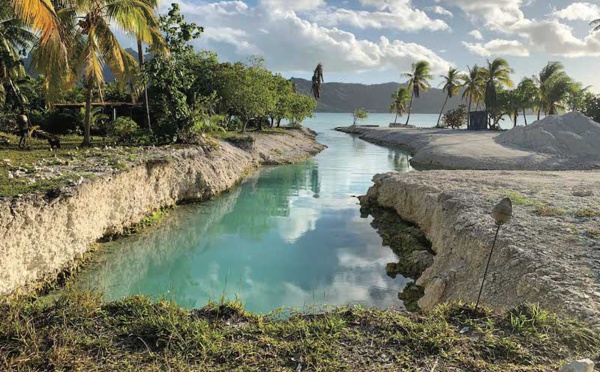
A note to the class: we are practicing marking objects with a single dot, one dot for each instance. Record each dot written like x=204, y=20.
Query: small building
x=478, y=120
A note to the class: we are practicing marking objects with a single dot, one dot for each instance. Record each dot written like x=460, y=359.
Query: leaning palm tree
x=317, y=80
x=99, y=45
x=497, y=75
x=552, y=71
x=418, y=81
x=15, y=39
x=451, y=87
x=399, y=104
x=474, y=87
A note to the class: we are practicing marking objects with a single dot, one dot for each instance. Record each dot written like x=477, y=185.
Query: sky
x=375, y=41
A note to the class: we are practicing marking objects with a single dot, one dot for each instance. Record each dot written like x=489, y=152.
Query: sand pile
x=570, y=135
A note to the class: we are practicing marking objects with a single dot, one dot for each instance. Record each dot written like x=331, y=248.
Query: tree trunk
x=396, y=119
x=539, y=112
x=441, y=112
x=524, y=117
x=244, y=126
x=278, y=122
x=88, y=116
x=410, y=107
x=515, y=115
x=145, y=92
x=469, y=113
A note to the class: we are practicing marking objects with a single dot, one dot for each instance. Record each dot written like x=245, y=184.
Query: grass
x=587, y=213
x=148, y=221
x=79, y=332
x=518, y=199
x=13, y=159
x=546, y=210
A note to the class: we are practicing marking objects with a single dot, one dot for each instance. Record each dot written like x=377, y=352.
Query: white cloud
x=408, y=19
x=579, y=12
x=290, y=43
x=476, y=34
x=549, y=36
x=441, y=11
x=298, y=5
x=498, y=47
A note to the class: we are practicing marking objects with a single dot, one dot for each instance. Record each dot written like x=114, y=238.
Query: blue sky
x=374, y=41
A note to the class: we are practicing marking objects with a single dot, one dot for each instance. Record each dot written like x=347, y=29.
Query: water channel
x=289, y=236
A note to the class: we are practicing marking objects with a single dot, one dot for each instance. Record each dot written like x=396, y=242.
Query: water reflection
x=289, y=236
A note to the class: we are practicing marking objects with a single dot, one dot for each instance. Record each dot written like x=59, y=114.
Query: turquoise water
x=290, y=236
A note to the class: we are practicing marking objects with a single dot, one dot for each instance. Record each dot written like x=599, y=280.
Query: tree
x=284, y=95
x=418, y=81
x=455, y=118
x=53, y=40
x=576, y=97
x=451, y=87
x=556, y=94
x=550, y=74
x=358, y=115
x=247, y=91
x=15, y=39
x=497, y=75
x=528, y=95
x=301, y=107
x=400, y=100
x=159, y=44
x=317, y=80
x=99, y=45
x=474, y=87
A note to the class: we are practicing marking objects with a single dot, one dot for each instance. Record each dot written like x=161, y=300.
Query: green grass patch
x=546, y=210
x=78, y=331
x=586, y=213
x=518, y=198
x=148, y=221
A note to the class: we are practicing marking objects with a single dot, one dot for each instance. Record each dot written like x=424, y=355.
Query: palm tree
x=99, y=45
x=15, y=39
x=158, y=42
x=557, y=93
x=53, y=39
x=496, y=75
x=528, y=95
x=451, y=87
x=552, y=71
x=317, y=80
x=474, y=87
x=418, y=81
x=596, y=25
x=577, y=95
x=399, y=104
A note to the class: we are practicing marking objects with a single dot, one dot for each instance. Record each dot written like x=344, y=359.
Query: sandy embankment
x=548, y=254
x=42, y=236
x=555, y=143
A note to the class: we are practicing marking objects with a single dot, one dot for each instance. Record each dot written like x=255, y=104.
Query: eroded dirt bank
x=42, y=234
x=548, y=254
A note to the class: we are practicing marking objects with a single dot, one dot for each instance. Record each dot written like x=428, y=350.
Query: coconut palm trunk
x=145, y=92
x=524, y=117
x=412, y=97
x=442, y=111
x=469, y=113
x=88, y=115
x=396, y=118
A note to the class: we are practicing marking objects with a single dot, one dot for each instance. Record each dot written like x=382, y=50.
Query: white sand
x=570, y=135
x=568, y=142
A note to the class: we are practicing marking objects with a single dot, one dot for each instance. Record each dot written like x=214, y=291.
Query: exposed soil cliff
x=43, y=234
x=548, y=254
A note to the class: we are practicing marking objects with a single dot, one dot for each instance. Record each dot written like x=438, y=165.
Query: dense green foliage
x=455, y=118
x=79, y=332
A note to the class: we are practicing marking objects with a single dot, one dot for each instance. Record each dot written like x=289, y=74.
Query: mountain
x=346, y=97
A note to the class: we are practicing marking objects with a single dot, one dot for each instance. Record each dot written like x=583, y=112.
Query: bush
x=456, y=118
x=124, y=130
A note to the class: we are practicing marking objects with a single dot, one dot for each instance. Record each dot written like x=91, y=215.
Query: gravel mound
x=569, y=135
